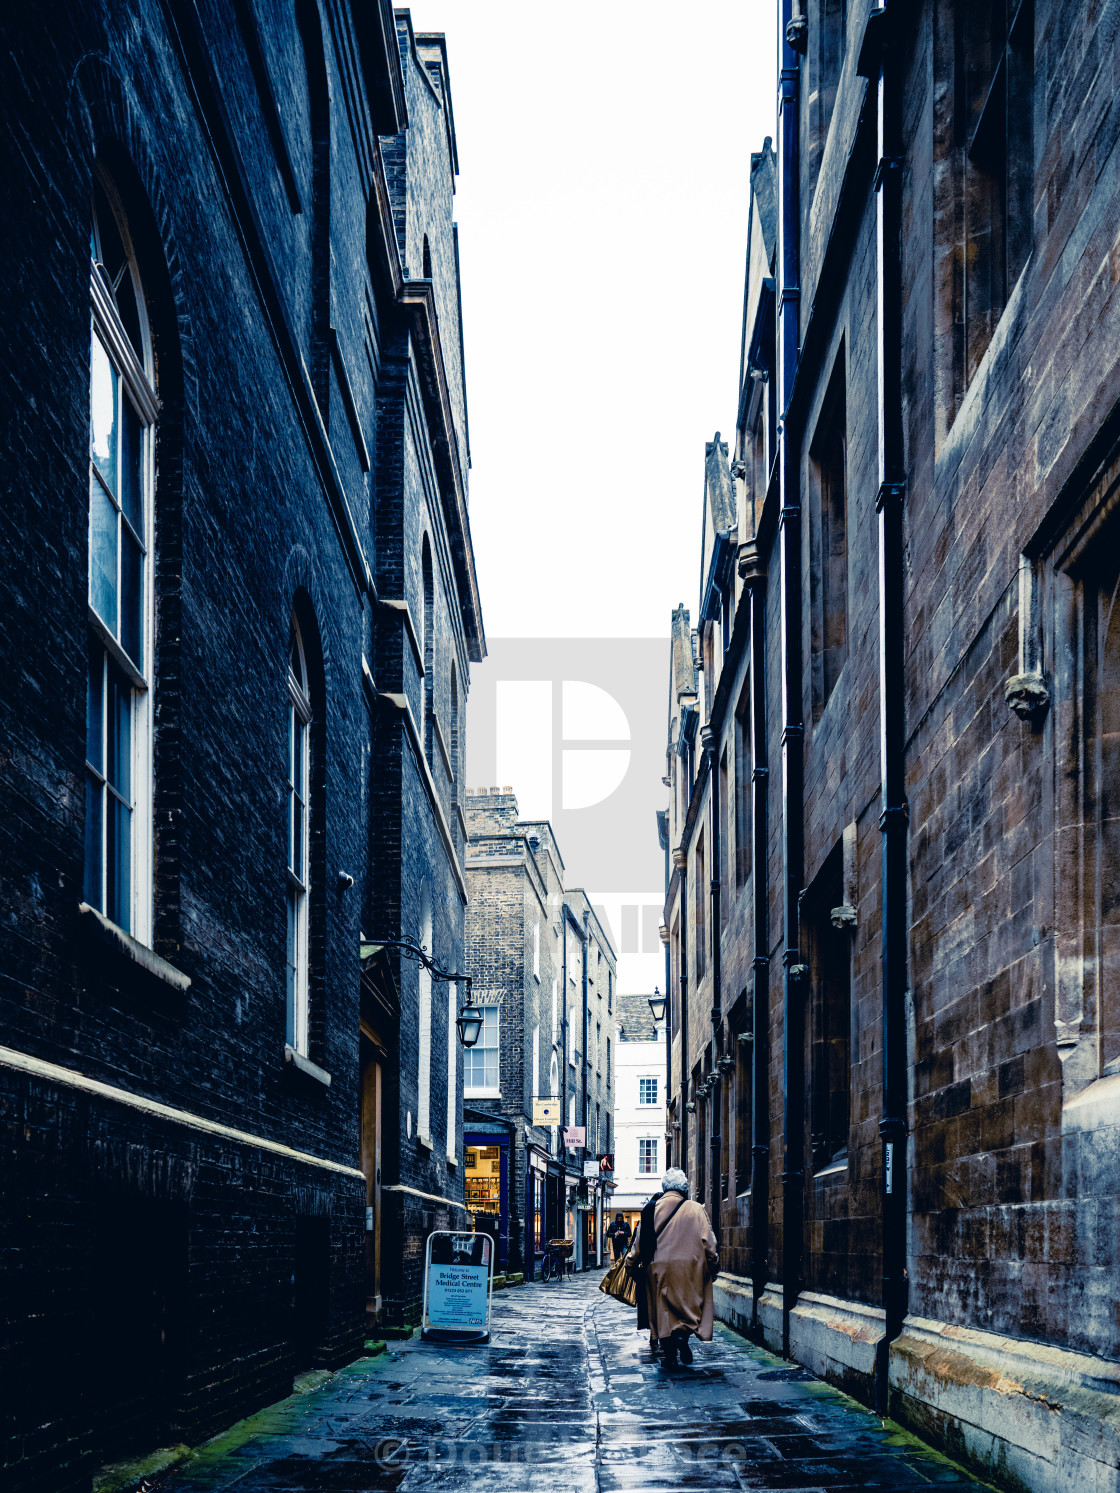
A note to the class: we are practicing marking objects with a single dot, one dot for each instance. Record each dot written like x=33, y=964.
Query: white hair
x=674, y=1180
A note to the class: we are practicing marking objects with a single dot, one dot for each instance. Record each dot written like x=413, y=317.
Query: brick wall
x=286, y=458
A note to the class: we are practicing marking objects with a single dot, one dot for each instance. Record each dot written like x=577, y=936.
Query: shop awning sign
x=548, y=1111
x=458, y=1275
x=575, y=1136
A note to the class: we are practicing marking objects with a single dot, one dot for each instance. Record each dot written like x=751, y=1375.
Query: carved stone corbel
x=752, y=568
x=1028, y=696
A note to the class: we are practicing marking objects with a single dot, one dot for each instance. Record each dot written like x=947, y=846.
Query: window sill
x=109, y=936
x=482, y=1093
x=833, y=1169
x=425, y=1142
x=297, y=1063
x=453, y=1163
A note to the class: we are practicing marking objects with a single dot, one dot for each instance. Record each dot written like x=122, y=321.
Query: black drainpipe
x=793, y=731
x=753, y=574
x=564, y=1062
x=584, y=1064
x=668, y=1006
x=685, y=1071
x=711, y=747
x=879, y=61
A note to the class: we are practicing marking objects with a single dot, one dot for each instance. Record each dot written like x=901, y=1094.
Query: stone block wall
x=1011, y=434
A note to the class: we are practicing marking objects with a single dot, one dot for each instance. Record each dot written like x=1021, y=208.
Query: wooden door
x=371, y=1166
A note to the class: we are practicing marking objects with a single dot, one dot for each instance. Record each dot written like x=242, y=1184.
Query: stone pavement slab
x=565, y=1398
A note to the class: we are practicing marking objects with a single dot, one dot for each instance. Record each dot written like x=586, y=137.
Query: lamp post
x=657, y=1006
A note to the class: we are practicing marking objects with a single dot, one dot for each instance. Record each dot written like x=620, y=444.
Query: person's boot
x=684, y=1350
x=669, y=1352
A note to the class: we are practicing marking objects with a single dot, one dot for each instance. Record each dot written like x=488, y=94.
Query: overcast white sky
x=604, y=152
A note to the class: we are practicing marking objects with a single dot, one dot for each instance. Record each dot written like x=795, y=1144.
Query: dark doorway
x=140, y=1284
x=310, y=1290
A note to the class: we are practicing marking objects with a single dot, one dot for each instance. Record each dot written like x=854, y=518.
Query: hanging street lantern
x=657, y=1005
x=469, y=1022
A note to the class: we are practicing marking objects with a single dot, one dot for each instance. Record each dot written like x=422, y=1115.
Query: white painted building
x=639, y=1106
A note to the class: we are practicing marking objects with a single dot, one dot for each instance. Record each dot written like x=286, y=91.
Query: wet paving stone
x=566, y=1398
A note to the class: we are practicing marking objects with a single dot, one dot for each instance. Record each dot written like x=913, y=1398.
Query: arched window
x=424, y=1056
x=299, y=828
x=429, y=650
x=318, y=91
x=118, y=840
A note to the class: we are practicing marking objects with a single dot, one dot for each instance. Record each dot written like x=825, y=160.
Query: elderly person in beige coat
x=674, y=1257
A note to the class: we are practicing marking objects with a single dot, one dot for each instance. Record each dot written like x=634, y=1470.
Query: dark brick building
x=237, y=610
x=891, y=913
x=545, y=975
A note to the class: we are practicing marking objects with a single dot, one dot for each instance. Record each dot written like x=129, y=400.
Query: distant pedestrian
x=675, y=1259
x=619, y=1235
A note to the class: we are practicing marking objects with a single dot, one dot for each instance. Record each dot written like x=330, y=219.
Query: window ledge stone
x=296, y=1062
x=110, y=936
x=833, y=1169
x=1095, y=1107
x=426, y=1142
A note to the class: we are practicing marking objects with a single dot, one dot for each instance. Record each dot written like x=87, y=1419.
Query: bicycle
x=557, y=1260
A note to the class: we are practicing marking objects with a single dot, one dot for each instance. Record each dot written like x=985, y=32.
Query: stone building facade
x=639, y=1107
x=890, y=915
x=238, y=605
x=544, y=971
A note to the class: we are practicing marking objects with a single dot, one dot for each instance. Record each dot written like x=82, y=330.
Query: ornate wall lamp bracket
x=469, y=1020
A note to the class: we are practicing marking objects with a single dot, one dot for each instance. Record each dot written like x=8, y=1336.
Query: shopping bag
x=620, y=1284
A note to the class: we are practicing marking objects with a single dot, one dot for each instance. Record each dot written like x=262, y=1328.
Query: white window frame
x=136, y=385
x=297, y=1030
x=652, y=1170
x=653, y=1079
x=485, y=1091
x=537, y=1061
x=452, y=1076
x=424, y=1045
x=537, y=951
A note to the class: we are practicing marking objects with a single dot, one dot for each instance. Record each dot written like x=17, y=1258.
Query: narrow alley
x=565, y=1397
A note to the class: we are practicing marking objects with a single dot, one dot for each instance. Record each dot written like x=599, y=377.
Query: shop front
x=487, y=1187
x=556, y=1222
x=536, y=1210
